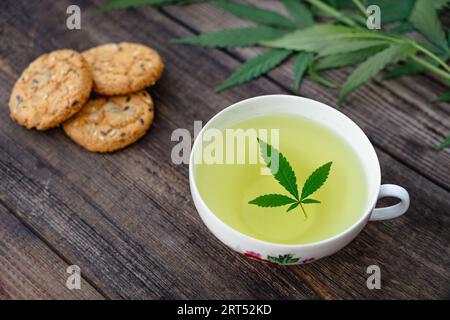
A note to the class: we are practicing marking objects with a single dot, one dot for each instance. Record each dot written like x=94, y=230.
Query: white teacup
x=328, y=117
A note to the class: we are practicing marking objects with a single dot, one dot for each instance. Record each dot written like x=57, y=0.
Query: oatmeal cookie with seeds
x=50, y=90
x=107, y=124
x=123, y=68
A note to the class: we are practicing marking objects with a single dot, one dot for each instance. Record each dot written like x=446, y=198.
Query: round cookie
x=107, y=124
x=50, y=90
x=123, y=68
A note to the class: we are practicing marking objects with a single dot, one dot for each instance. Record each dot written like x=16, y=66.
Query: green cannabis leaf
x=315, y=180
x=272, y=200
x=348, y=58
x=318, y=78
x=443, y=98
x=310, y=201
x=283, y=173
x=402, y=27
x=351, y=46
x=315, y=38
x=304, y=18
x=231, y=38
x=255, y=14
x=293, y=206
x=327, y=40
x=302, y=62
x=301, y=14
x=285, y=176
x=444, y=143
x=441, y=4
x=406, y=69
x=323, y=9
x=255, y=67
x=373, y=65
x=393, y=11
x=424, y=18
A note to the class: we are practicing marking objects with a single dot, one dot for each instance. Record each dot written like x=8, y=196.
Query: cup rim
x=194, y=189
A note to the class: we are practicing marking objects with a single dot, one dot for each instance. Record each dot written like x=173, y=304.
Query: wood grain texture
x=29, y=269
x=397, y=115
x=127, y=218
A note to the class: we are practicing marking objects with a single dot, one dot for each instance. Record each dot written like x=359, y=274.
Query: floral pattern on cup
x=283, y=259
x=280, y=259
x=256, y=256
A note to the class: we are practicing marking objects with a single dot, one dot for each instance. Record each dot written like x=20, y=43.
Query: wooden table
x=127, y=218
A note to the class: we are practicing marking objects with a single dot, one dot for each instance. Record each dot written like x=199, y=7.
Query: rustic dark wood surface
x=127, y=218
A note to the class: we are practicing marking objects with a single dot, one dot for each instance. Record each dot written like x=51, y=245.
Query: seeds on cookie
x=107, y=124
x=123, y=68
x=41, y=99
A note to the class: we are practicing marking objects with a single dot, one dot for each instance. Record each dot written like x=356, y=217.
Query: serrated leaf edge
x=273, y=194
x=292, y=189
x=309, y=179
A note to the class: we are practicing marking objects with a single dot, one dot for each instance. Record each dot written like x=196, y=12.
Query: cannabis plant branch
x=342, y=41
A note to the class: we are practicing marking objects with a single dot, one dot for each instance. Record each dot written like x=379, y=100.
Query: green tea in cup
x=229, y=188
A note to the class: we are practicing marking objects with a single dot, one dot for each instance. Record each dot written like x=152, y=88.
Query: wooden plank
x=397, y=115
x=127, y=218
x=29, y=269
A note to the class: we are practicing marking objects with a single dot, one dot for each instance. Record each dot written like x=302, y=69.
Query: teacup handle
x=391, y=190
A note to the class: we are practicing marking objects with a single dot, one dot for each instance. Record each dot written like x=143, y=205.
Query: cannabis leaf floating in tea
x=285, y=176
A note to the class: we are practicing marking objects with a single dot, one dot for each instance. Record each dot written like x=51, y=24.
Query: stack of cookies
x=56, y=89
